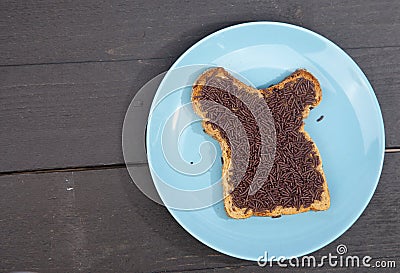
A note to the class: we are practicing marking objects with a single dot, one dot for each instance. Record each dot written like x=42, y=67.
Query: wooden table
x=68, y=71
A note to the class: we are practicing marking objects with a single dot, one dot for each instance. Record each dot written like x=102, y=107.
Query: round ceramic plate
x=350, y=138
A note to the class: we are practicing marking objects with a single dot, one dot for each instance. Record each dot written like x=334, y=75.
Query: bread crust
x=230, y=208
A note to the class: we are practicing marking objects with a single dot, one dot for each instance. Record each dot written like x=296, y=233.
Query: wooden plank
x=65, y=31
x=98, y=221
x=71, y=115
x=56, y=116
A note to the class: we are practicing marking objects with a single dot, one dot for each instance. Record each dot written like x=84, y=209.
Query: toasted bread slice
x=305, y=187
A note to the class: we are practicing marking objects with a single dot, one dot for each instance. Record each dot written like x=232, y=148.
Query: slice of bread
x=296, y=182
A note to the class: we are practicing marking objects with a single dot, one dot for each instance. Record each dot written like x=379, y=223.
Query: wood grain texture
x=71, y=115
x=75, y=31
x=97, y=221
x=67, y=115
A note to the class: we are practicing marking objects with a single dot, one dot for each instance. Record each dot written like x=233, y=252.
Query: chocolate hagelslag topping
x=293, y=180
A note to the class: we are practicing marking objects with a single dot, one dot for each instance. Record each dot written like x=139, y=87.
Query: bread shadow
x=219, y=210
x=271, y=82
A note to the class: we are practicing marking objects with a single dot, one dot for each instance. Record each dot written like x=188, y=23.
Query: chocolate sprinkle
x=320, y=118
x=293, y=180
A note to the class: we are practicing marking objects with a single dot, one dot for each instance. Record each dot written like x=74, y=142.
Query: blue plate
x=350, y=137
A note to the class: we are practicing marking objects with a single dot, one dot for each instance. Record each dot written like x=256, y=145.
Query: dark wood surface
x=80, y=31
x=68, y=71
x=104, y=223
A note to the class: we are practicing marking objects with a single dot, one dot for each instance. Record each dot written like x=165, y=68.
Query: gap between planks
x=110, y=166
x=72, y=169
x=90, y=61
x=156, y=58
